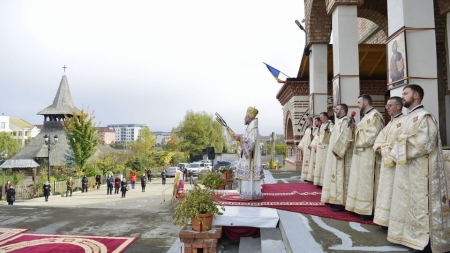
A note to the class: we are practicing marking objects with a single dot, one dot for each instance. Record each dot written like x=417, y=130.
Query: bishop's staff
x=224, y=124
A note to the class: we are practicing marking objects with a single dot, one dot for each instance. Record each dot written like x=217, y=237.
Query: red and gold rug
x=294, y=197
x=40, y=243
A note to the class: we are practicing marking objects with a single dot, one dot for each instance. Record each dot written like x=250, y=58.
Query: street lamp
x=306, y=51
x=49, y=142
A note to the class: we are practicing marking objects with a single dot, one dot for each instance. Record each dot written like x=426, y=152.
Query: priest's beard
x=408, y=103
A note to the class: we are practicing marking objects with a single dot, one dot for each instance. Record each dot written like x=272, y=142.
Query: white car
x=207, y=166
x=195, y=167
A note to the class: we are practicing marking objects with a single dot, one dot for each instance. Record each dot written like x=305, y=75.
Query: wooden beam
x=375, y=66
x=304, y=65
x=363, y=57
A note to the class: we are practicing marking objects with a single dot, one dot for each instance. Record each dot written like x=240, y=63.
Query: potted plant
x=213, y=180
x=198, y=205
x=226, y=172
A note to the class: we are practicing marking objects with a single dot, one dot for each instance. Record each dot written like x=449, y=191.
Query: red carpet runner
x=294, y=197
x=13, y=240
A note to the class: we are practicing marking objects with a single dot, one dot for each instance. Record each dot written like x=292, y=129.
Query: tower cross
x=64, y=68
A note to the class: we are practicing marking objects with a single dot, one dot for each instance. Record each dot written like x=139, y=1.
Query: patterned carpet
x=294, y=197
x=15, y=240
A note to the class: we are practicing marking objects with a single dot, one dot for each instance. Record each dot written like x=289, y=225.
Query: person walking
x=84, y=184
x=133, y=179
x=143, y=182
x=149, y=175
x=97, y=181
x=46, y=189
x=109, y=184
x=11, y=195
x=69, y=185
x=163, y=177
x=123, y=187
x=116, y=185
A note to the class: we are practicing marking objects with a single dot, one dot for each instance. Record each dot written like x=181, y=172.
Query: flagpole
x=278, y=70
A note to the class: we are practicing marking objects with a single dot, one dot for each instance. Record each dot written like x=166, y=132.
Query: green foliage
x=8, y=146
x=144, y=143
x=174, y=143
x=272, y=163
x=196, y=201
x=212, y=180
x=137, y=165
x=81, y=136
x=280, y=149
x=198, y=131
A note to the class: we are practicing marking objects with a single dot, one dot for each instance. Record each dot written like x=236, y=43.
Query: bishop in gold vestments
x=361, y=185
x=339, y=158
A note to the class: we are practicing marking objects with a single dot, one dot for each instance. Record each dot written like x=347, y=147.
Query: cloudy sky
x=148, y=62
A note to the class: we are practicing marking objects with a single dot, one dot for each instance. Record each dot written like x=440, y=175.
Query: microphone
x=351, y=118
x=328, y=124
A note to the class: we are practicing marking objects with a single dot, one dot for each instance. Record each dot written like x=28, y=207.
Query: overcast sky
x=148, y=62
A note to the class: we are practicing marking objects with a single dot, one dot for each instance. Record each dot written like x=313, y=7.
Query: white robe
x=364, y=173
x=249, y=171
x=420, y=207
x=304, y=147
x=385, y=140
x=321, y=154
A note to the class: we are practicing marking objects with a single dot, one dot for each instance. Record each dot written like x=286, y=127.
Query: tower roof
x=62, y=104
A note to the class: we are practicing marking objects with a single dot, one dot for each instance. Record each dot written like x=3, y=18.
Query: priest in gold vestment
x=363, y=171
x=420, y=208
x=322, y=148
x=313, y=148
x=304, y=146
x=383, y=145
x=339, y=158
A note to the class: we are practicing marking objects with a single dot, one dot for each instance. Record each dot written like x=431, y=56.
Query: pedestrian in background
x=123, y=187
x=143, y=182
x=133, y=179
x=84, y=184
x=109, y=184
x=116, y=185
x=11, y=195
x=46, y=188
x=69, y=185
x=149, y=174
x=191, y=177
x=163, y=177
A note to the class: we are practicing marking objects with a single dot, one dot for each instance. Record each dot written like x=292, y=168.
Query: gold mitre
x=252, y=112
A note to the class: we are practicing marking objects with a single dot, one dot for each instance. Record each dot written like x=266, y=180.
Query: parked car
x=182, y=165
x=223, y=163
x=207, y=166
x=171, y=171
x=195, y=167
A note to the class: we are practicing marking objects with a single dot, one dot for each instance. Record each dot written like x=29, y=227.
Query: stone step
x=250, y=244
x=292, y=228
x=272, y=241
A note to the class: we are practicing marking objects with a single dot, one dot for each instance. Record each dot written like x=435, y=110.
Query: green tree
x=280, y=149
x=8, y=146
x=174, y=143
x=198, y=131
x=81, y=136
x=144, y=143
x=137, y=165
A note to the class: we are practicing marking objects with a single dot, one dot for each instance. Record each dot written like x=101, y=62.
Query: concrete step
x=272, y=241
x=296, y=236
x=250, y=244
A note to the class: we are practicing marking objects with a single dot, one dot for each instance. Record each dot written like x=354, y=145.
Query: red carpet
x=22, y=242
x=293, y=197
